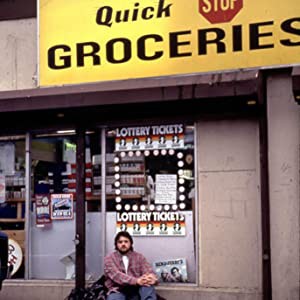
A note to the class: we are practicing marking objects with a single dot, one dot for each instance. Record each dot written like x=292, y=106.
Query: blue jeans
x=142, y=293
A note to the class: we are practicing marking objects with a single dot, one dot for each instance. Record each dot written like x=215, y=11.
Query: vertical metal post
x=196, y=204
x=103, y=190
x=80, y=210
x=27, y=205
x=265, y=195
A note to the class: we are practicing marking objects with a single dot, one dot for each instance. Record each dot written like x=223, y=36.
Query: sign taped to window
x=152, y=223
x=150, y=137
x=62, y=207
x=171, y=270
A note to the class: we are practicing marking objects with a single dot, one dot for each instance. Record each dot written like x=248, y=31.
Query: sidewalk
x=58, y=290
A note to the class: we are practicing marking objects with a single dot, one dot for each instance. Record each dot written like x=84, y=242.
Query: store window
x=53, y=215
x=149, y=189
x=12, y=200
x=53, y=161
x=150, y=192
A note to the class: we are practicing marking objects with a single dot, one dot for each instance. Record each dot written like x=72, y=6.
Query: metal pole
x=103, y=190
x=27, y=205
x=196, y=205
x=80, y=210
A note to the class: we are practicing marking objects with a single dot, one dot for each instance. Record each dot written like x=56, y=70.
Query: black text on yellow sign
x=59, y=56
x=151, y=37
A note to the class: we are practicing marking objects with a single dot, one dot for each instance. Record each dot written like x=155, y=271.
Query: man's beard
x=124, y=251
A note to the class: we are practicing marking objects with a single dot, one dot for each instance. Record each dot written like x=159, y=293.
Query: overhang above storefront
x=17, y=9
x=239, y=85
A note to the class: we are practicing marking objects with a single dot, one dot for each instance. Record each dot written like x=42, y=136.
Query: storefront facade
x=203, y=170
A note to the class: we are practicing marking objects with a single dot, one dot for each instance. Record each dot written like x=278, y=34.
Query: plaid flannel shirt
x=114, y=270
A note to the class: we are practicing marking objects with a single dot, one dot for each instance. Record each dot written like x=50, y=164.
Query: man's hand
x=142, y=281
x=151, y=278
x=147, y=280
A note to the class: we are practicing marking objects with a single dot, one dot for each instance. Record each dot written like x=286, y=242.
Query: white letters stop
x=217, y=5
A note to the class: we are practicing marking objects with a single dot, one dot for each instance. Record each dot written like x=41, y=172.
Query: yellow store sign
x=89, y=40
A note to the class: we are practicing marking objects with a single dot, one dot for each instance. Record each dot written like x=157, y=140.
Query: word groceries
x=172, y=45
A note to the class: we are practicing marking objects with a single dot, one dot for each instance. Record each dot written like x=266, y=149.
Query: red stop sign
x=219, y=11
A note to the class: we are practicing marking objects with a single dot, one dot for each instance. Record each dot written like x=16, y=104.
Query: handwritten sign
x=166, y=188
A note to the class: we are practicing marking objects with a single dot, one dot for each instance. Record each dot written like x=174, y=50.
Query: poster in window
x=69, y=152
x=15, y=256
x=150, y=191
x=7, y=158
x=42, y=208
x=62, y=207
x=152, y=223
x=150, y=137
x=2, y=189
x=171, y=270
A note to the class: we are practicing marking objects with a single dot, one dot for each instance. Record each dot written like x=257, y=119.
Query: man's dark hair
x=126, y=235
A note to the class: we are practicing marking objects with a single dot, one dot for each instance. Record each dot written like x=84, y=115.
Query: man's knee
x=147, y=292
x=116, y=296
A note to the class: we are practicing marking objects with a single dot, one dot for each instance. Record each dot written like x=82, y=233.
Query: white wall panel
x=284, y=140
x=229, y=199
x=18, y=52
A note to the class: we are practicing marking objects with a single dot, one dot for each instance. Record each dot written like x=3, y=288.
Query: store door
x=56, y=228
x=53, y=207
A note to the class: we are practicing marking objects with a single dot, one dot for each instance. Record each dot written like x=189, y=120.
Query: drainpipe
x=265, y=195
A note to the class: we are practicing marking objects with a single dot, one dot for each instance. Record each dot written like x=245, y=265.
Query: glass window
x=53, y=160
x=54, y=202
x=150, y=191
x=12, y=200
